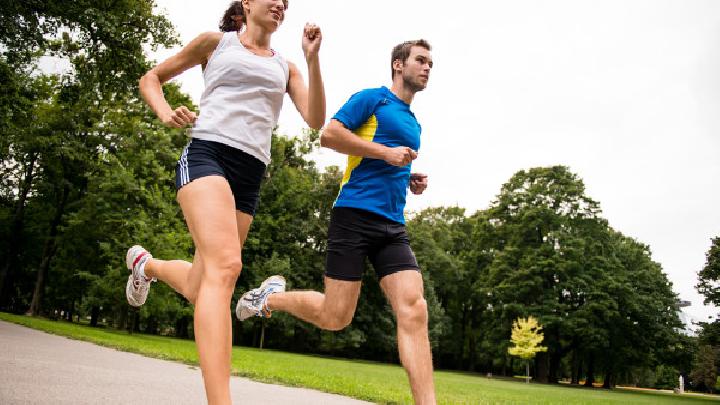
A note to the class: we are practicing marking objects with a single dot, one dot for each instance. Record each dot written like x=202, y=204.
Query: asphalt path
x=40, y=368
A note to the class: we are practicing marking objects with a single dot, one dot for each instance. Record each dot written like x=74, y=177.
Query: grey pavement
x=40, y=368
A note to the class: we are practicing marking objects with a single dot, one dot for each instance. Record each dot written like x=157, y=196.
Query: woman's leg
x=182, y=276
x=209, y=210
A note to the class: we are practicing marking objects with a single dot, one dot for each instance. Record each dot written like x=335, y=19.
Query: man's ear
x=397, y=65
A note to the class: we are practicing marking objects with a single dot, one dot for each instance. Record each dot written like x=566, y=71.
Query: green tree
x=709, y=276
x=61, y=143
x=704, y=374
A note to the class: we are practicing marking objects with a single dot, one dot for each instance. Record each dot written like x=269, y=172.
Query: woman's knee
x=223, y=271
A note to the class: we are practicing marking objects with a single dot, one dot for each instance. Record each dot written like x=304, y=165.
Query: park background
x=571, y=148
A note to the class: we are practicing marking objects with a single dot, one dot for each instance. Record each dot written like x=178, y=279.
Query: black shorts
x=243, y=171
x=355, y=234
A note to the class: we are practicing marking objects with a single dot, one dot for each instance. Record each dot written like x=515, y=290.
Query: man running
x=380, y=135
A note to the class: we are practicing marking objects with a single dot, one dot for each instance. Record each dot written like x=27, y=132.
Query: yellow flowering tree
x=526, y=337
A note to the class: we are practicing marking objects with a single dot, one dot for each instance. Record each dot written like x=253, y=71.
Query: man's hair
x=402, y=51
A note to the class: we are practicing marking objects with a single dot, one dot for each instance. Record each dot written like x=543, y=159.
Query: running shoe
x=138, y=286
x=254, y=302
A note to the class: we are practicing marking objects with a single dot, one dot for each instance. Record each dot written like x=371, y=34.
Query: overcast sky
x=625, y=93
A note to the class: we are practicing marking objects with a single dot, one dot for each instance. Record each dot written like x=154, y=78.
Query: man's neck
x=402, y=91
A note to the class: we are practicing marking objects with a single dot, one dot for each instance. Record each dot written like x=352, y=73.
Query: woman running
x=218, y=175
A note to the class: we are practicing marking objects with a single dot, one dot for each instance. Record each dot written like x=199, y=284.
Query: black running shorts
x=355, y=234
x=243, y=171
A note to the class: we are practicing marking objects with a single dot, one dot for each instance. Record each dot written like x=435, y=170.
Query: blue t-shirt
x=373, y=185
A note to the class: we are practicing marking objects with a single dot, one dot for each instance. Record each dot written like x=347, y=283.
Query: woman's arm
x=309, y=101
x=195, y=53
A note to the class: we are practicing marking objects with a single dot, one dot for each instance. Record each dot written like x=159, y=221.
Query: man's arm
x=337, y=137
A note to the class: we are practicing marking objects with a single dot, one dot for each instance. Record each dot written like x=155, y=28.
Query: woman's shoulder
x=208, y=39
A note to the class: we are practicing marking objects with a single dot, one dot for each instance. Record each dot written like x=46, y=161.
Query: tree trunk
x=527, y=372
x=181, y=328
x=575, y=368
x=71, y=312
x=555, y=358
x=134, y=324
x=460, y=354
x=541, y=367
x=7, y=272
x=122, y=319
x=48, y=253
x=94, y=315
x=608, y=380
x=262, y=334
x=590, y=377
x=471, y=351
x=151, y=328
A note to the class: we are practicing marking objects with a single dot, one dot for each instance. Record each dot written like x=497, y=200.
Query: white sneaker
x=138, y=286
x=254, y=302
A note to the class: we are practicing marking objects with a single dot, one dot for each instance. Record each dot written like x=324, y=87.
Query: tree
x=709, y=277
x=52, y=155
x=526, y=336
x=704, y=374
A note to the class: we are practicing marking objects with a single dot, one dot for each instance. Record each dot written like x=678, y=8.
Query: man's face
x=416, y=69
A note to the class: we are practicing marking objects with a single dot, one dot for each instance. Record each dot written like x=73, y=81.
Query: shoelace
x=139, y=285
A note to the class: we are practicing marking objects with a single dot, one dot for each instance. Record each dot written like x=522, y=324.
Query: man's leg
x=404, y=290
x=332, y=310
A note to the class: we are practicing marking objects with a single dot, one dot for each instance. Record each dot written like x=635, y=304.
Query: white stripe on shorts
x=184, y=171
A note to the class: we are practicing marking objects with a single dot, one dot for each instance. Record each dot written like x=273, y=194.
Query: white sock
x=141, y=267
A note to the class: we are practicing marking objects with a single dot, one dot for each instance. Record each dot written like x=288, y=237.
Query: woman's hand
x=179, y=118
x=312, y=37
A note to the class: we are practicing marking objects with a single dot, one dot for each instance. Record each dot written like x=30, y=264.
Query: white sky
x=625, y=93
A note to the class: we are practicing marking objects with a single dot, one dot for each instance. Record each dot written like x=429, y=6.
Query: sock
x=141, y=267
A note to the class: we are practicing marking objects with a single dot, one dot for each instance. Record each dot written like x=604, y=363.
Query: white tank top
x=242, y=99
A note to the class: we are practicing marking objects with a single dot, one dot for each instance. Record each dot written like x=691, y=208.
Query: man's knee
x=413, y=313
x=335, y=321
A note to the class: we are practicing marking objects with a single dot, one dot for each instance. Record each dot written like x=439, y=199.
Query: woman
x=218, y=175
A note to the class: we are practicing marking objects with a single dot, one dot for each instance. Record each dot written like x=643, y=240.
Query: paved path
x=39, y=368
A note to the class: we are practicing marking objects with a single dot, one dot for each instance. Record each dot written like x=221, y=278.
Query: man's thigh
x=341, y=297
x=403, y=288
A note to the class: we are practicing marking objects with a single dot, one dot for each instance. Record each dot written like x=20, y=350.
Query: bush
x=666, y=377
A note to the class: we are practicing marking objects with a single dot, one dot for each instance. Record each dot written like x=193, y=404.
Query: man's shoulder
x=371, y=93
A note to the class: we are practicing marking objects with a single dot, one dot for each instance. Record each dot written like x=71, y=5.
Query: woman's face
x=268, y=13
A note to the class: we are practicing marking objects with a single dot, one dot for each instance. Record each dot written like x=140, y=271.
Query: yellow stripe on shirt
x=367, y=132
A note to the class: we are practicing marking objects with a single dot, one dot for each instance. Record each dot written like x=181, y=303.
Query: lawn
x=376, y=382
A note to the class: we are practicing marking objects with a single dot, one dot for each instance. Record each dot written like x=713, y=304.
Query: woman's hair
x=228, y=23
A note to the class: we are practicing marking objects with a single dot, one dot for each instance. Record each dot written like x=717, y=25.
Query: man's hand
x=400, y=156
x=418, y=183
x=179, y=118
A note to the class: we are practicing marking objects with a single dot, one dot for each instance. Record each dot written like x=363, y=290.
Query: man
x=380, y=135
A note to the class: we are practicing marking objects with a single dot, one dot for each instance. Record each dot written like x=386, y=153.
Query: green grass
x=370, y=381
